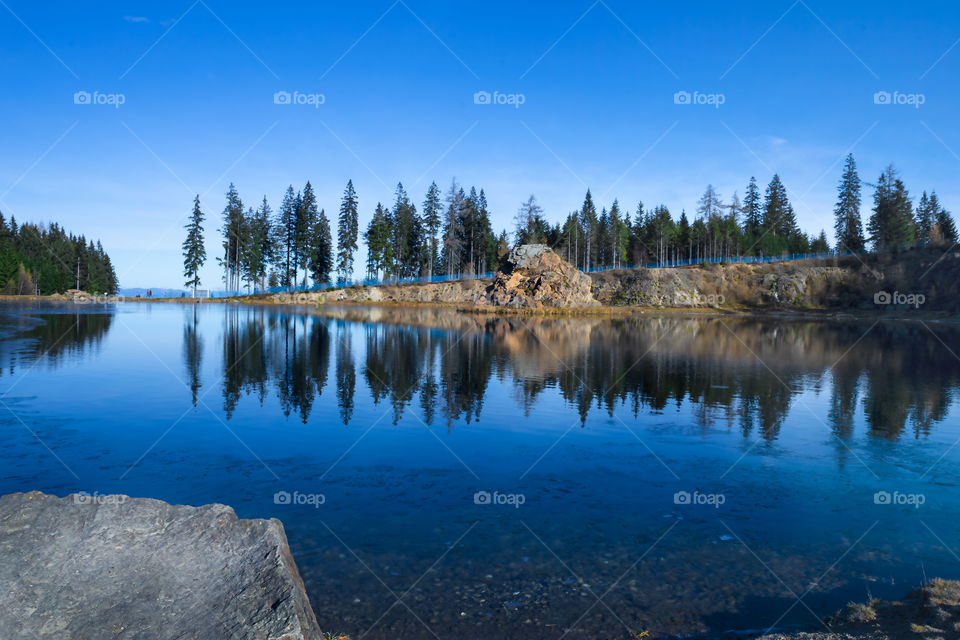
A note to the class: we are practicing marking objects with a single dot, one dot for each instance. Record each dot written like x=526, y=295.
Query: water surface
x=455, y=476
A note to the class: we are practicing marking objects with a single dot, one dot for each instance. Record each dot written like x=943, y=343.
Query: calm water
x=480, y=477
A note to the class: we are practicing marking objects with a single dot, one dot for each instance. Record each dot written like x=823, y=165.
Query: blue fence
x=426, y=280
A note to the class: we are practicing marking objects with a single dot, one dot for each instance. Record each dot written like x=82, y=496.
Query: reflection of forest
x=50, y=337
x=746, y=372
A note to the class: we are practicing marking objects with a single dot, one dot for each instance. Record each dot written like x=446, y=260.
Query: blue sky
x=597, y=79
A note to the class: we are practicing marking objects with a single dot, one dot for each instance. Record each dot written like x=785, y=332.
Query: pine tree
x=347, y=231
x=925, y=220
x=452, y=230
x=820, y=245
x=752, y=211
x=321, y=257
x=305, y=225
x=891, y=226
x=379, y=238
x=285, y=236
x=848, y=227
x=233, y=238
x=527, y=221
x=588, y=221
x=194, y=252
x=432, y=208
x=406, y=235
x=946, y=229
x=259, y=253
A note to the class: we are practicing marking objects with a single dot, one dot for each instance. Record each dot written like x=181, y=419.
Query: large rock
x=533, y=277
x=94, y=567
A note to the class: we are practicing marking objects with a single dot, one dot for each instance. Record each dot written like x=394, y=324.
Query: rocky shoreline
x=88, y=567
x=535, y=279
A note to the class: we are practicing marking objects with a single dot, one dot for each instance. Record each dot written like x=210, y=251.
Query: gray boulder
x=93, y=567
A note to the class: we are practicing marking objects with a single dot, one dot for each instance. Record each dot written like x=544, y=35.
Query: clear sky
x=597, y=81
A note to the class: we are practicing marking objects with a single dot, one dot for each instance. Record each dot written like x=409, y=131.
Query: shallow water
x=453, y=476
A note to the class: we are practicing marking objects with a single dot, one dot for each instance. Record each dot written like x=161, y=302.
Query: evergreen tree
x=233, y=238
x=529, y=223
x=321, y=256
x=752, y=211
x=779, y=222
x=347, y=231
x=452, y=230
x=820, y=245
x=259, y=253
x=406, y=235
x=284, y=233
x=925, y=219
x=589, y=223
x=379, y=238
x=891, y=226
x=946, y=230
x=848, y=227
x=432, y=208
x=304, y=227
x=194, y=251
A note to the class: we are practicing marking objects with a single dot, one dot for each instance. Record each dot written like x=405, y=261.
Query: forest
x=42, y=260
x=451, y=234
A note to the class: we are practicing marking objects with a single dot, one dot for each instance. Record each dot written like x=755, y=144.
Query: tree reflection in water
x=438, y=364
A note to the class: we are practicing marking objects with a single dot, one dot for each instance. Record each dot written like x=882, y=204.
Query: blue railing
x=369, y=282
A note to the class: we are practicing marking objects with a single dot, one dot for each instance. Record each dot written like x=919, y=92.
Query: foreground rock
x=930, y=612
x=533, y=276
x=92, y=568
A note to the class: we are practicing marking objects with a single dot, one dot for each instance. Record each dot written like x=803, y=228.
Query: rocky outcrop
x=93, y=567
x=533, y=276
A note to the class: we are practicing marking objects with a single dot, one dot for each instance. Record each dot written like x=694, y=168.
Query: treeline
x=452, y=234
x=38, y=259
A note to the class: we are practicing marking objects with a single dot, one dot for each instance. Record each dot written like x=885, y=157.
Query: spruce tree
x=946, y=229
x=306, y=220
x=589, y=223
x=891, y=226
x=233, y=238
x=194, y=252
x=752, y=211
x=321, y=260
x=285, y=236
x=347, y=230
x=925, y=220
x=432, y=208
x=848, y=228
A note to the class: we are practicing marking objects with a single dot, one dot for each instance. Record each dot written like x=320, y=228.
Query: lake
x=446, y=475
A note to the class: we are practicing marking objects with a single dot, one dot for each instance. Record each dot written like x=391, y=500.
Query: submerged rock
x=93, y=567
x=533, y=277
